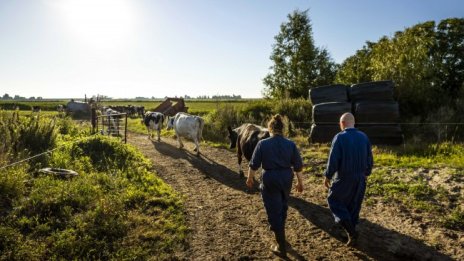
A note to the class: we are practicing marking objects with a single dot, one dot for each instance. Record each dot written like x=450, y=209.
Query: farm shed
x=75, y=106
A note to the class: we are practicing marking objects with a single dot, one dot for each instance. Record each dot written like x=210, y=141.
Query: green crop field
x=194, y=106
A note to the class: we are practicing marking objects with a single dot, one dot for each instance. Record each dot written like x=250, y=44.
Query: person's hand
x=249, y=182
x=299, y=187
x=326, y=182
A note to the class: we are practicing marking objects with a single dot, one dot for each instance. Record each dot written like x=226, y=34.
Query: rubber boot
x=281, y=248
x=350, y=231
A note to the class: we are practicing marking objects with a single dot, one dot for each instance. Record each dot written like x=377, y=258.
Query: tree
x=6, y=96
x=297, y=64
x=449, y=56
x=355, y=69
x=426, y=62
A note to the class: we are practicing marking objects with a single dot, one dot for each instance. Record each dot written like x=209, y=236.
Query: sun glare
x=98, y=23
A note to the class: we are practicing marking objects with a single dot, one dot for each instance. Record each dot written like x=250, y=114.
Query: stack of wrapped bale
x=376, y=112
x=329, y=103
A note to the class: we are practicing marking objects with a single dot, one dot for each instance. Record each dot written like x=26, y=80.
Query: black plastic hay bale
x=377, y=112
x=372, y=91
x=329, y=93
x=383, y=134
x=329, y=112
x=323, y=133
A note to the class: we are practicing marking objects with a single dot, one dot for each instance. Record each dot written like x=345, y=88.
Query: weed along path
x=228, y=222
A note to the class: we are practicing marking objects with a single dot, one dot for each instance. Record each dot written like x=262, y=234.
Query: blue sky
x=129, y=48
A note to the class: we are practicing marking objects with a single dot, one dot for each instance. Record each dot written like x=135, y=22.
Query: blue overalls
x=276, y=155
x=350, y=162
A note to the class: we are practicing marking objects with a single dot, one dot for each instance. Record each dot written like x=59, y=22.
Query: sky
x=159, y=48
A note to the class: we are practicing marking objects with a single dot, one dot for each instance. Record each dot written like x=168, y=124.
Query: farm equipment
x=171, y=106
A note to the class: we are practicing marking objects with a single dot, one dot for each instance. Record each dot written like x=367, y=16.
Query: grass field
x=195, y=106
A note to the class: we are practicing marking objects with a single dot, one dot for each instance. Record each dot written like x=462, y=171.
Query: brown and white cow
x=154, y=122
x=245, y=139
x=188, y=126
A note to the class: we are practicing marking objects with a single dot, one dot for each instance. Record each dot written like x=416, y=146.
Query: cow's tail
x=201, y=124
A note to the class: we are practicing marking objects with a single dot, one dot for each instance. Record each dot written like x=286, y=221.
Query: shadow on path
x=375, y=241
x=207, y=166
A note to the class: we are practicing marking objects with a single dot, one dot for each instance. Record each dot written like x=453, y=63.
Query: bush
x=114, y=209
x=297, y=114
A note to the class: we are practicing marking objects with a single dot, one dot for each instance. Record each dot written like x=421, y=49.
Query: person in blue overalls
x=350, y=162
x=276, y=155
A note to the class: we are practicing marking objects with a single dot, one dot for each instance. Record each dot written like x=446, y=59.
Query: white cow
x=188, y=126
x=113, y=120
x=153, y=121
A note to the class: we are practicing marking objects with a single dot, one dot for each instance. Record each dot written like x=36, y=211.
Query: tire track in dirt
x=229, y=223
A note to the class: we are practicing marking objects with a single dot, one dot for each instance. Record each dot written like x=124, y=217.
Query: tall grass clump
x=25, y=136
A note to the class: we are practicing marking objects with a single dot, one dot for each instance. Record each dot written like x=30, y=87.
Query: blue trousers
x=275, y=192
x=345, y=199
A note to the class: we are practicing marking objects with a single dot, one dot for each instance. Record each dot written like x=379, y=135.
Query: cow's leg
x=179, y=141
x=240, y=171
x=239, y=157
x=148, y=131
x=159, y=132
x=197, y=146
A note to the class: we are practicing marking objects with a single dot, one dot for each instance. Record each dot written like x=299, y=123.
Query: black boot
x=281, y=248
x=350, y=231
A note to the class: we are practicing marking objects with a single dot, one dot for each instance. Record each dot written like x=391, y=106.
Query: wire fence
x=29, y=158
x=296, y=124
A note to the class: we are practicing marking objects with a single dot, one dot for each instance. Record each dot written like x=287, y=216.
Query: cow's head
x=145, y=118
x=170, y=124
x=233, y=137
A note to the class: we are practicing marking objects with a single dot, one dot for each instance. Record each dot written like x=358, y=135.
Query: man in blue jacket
x=350, y=162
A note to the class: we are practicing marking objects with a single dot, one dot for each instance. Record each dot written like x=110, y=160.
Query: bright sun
x=98, y=23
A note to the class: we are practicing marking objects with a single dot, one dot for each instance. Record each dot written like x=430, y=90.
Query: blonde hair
x=276, y=125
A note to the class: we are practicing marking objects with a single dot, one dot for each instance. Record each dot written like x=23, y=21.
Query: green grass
x=424, y=155
x=115, y=209
x=194, y=106
x=45, y=105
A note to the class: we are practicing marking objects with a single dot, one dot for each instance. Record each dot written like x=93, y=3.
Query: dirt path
x=228, y=222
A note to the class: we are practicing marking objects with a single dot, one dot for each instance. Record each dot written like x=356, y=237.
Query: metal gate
x=112, y=125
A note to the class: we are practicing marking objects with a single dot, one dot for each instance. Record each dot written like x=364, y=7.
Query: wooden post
x=125, y=131
x=93, y=120
x=109, y=126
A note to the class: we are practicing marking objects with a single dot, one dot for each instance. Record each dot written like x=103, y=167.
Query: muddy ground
x=228, y=221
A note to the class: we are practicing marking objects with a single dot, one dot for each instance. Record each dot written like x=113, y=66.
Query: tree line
x=6, y=96
x=426, y=62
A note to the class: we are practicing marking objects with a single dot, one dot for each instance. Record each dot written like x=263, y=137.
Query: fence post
x=125, y=130
x=93, y=119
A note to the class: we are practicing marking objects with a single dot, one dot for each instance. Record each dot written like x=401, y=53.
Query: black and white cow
x=245, y=139
x=188, y=126
x=154, y=122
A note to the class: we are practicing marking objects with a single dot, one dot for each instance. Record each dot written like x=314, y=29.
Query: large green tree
x=297, y=64
x=426, y=62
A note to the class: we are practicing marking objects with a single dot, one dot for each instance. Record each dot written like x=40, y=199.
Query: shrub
x=297, y=114
x=114, y=209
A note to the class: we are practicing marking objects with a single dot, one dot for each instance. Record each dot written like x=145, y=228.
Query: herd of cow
x=130, y=110
x=244, y=137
